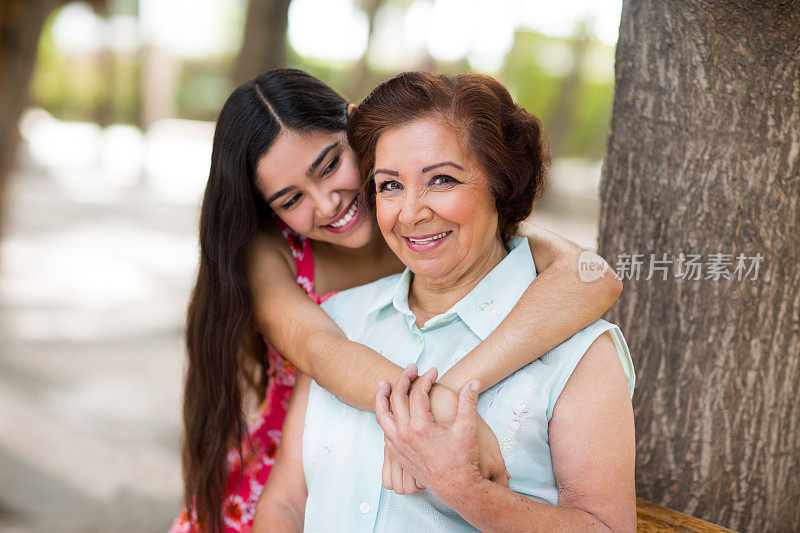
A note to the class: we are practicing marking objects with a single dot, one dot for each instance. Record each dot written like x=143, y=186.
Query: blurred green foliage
x=73, y=88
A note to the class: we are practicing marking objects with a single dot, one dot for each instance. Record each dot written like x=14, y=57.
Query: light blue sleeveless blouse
x=343, y=447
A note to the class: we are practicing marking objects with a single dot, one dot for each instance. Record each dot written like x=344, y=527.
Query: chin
x=358, y=237
x=432, y=270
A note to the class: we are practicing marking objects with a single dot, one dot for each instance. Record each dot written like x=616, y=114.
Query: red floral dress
x=239, y=505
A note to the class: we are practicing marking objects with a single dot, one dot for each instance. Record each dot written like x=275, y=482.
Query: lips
x=425, y=243
x=347, y=219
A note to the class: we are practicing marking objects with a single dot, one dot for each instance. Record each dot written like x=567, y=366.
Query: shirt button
x=419, y=339
x=364, y=507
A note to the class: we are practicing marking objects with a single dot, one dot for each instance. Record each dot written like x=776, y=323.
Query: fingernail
x=473, y=385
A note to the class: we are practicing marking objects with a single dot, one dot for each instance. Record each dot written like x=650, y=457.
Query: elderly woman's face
x=433, y=202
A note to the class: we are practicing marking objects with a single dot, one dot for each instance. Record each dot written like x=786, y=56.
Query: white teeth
x=428, y=239
x=347, y=217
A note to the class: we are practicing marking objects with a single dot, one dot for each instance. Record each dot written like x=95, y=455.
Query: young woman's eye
x=332, y=165
x=291, y=201
x=389, y=185
x=443, y=179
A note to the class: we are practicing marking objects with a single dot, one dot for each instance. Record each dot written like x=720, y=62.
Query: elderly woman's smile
x=434, y=206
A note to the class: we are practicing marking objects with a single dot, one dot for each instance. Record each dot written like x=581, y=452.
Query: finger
x=467, y=406
x=397, y=478
x=386, y=472
x=383, y=413
x=398, y=399
x=420, y=400
x=409, y=483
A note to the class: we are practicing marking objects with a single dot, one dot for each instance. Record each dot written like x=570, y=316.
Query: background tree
x=21, y=24
x=704, y=158
x=264, y=45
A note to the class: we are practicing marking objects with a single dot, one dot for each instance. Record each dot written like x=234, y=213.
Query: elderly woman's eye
x=443, y=179
x=389, y=185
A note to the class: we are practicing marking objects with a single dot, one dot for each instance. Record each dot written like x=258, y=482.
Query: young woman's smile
x=347, y=218
x=311, y=180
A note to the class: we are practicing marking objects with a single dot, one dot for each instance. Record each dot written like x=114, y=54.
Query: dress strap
x=302, y=253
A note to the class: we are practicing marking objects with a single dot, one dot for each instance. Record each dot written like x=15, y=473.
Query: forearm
x=352, y=371
x=491, y=507
x=349, y=370
x=274, y=516
x=555, y=306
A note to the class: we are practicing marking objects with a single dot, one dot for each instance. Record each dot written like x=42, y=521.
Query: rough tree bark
x=264, y=45
x=703, y=158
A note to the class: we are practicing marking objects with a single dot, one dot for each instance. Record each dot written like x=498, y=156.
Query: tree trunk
x=360, y=84
x=264, y=45
x=21, y=24
x=703, y=158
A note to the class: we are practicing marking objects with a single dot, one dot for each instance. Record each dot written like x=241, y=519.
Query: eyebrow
x=279, y=194
x=384, y=171
x=320, y=157
x=442, y=164
x=424, y=170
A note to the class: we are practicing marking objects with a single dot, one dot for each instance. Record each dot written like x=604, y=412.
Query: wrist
x=444, y=404
x=450, y=381
x=467, y=491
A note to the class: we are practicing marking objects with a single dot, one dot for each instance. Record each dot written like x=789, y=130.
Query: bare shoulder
x=599, y=375
x=267, y=250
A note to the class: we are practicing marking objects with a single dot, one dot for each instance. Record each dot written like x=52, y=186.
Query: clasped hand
x=440, y=452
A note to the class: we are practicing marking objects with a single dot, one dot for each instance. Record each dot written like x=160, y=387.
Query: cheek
x=463, y=207
x=347, y=176
x=300, y=219
x=386, y=213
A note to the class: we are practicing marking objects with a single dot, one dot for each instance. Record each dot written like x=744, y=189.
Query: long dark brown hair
x=223, y=359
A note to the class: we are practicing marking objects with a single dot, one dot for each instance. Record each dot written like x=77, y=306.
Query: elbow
x=598, y=280
x=612, y=284
x=307, y=346
x=607, y=288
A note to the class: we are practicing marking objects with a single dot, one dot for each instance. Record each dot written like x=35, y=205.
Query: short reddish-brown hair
x=506, y=141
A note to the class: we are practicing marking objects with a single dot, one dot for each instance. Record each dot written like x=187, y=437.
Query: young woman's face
x=433, y=203
x=311, y=180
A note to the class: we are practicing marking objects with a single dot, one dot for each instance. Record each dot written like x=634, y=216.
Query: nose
x=327, y=203
x=414, y=209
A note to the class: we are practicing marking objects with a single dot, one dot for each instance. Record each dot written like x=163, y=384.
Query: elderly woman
x=453, y=166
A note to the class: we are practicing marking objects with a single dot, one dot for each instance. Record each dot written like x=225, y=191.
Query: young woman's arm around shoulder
x=554, y=307
x=303, y=333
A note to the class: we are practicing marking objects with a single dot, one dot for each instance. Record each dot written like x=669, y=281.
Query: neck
x=429, y=297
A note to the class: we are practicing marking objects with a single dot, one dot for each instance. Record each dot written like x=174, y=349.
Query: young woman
x=282, y=227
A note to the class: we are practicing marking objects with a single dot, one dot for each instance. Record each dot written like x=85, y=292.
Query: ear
x=351, y=108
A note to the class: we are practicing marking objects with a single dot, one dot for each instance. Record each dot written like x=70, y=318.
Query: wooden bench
x=655, y=518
